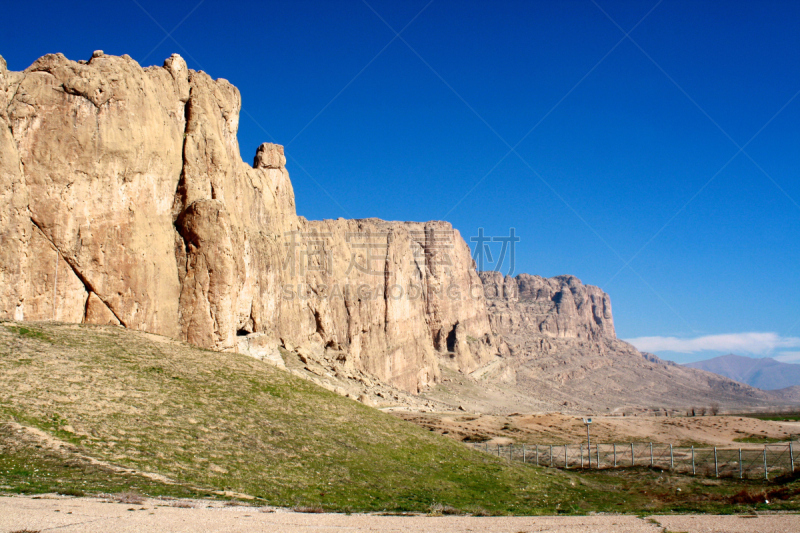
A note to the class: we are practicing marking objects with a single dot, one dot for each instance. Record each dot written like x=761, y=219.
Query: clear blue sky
x=630, y=131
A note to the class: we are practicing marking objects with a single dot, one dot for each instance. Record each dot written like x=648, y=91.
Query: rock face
x=98, y=181
x=124, y=200
x=395, y=296
x=554, y=308
x=564, y=356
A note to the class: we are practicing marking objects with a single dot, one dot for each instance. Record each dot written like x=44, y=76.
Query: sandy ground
x=56, y=513
x=564, y=429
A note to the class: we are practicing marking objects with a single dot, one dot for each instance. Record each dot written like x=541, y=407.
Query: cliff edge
x=125, y=201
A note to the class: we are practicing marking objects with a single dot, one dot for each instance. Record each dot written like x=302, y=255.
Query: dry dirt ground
x=564, y=429
x=89, y=515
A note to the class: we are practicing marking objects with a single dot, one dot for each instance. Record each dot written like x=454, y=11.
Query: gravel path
x=89, y=515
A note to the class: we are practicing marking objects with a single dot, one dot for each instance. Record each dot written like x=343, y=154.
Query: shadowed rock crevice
x=181, y=246
x=451, y=339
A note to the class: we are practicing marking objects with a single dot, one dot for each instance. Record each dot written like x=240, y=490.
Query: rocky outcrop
x=536, y=315
x=124, y=200
x=98, y=180
x=564, y=356
x=395, y=296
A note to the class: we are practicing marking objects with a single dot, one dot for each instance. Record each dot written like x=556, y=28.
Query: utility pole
x=588, y=421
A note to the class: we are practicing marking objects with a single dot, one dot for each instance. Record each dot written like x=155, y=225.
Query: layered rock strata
x=124, y=200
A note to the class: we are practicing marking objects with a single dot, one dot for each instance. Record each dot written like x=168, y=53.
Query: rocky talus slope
x=563, y=354
x=125, y=201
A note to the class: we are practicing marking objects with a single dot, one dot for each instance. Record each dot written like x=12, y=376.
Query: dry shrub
x=308, y=509
x=131, y=498
x=233, y=503
x=783, y=493
x=747, y=497
x=182, y=505
x=437, y=509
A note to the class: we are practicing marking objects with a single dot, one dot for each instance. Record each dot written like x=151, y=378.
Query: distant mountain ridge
x=763, y=373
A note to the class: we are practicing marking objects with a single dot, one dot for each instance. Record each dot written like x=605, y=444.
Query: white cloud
x=752, y=343
x=788, y=357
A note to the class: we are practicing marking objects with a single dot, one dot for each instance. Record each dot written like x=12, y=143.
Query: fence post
x=651, y=455
x=615, y=455
x=498, y=450
x=510, y=452
x=693, y=468
x=566, y=462
x=523, y=453
x=537, y=455
x=740, y=464
x=671, y=458
x=581, y=455
x=598, y=455
x=716, y=463
x=766, y=475
x=551, y=456
x=791, y=455
x=633, y=461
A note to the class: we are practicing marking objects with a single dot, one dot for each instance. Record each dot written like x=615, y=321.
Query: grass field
x=217, y=421
x=778, y=417
x=28, y=469
x=225, y=425
x=757, y=439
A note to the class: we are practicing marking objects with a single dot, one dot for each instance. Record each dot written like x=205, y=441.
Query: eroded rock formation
x=556, y=308
x=390, y=290
x=554, y=325
x=124, y=200
x=564, y=355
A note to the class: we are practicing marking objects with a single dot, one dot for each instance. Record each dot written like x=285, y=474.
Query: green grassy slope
x=228, y=422
x=28, y=467
x=216, y=422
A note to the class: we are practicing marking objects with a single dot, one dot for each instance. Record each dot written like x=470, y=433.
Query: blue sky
x=626, y=169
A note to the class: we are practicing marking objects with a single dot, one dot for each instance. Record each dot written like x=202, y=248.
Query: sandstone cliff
x=396, y=297
x=564, y=356
x=124, y=200
x=528, y=306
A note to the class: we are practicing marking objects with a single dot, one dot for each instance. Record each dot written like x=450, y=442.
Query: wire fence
x=762, y=462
